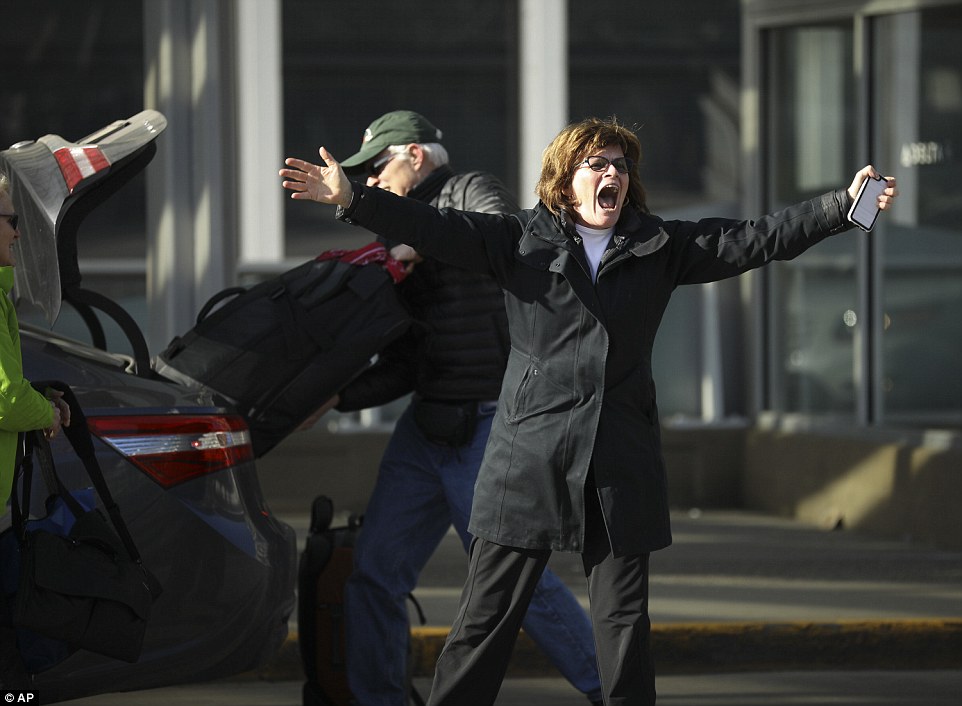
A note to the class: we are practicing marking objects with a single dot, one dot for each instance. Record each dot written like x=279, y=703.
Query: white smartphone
x=865, y=209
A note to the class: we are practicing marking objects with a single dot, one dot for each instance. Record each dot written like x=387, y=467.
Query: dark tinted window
x=345, y=64
x=671, y=70
x=71, y=68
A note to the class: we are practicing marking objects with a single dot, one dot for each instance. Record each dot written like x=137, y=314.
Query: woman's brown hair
x=571, y=146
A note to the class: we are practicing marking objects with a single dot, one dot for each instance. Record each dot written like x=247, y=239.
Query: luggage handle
x=217, y=299
x=280, y=291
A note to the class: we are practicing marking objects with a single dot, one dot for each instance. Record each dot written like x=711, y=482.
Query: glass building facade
x=753, y=106
x=865, y=328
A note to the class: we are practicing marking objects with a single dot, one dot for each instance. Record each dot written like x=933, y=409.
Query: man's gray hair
x=435, y=152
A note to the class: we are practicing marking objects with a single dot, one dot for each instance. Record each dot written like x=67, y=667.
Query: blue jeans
x=422, y=489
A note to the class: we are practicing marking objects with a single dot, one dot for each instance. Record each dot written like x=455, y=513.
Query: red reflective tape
x=68, y=167
x=78, y=163
x=96, y=158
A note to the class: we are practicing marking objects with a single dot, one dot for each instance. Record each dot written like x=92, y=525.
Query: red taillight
x=174, y=448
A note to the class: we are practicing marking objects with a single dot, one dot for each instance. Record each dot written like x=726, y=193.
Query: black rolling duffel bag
x=282, y=348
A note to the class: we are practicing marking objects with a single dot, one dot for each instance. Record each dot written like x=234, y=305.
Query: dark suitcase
x=325, y=564
x=282, y=348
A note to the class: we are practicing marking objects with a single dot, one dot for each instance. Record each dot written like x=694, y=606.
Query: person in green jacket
x=21, y=407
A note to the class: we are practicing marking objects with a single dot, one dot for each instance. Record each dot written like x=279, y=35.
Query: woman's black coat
x=578, y=391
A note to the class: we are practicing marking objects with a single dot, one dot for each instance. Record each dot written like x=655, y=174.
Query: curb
x=694, y=648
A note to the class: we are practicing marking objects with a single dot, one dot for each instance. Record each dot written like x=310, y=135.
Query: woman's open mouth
x=608, y=196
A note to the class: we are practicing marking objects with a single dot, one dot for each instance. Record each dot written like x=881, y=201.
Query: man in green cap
x=399, y=127
x=453, y=364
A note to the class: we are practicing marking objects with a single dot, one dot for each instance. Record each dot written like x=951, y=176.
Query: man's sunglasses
x=12, y=218
x=597, y=163
x=378, y=166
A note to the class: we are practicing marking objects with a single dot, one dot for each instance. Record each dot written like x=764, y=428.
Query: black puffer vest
x=466, y=342
x=459, y=349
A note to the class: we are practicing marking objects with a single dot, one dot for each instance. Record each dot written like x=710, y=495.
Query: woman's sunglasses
x=598, y=163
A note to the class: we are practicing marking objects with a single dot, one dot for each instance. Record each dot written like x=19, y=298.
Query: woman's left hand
x=886, y=198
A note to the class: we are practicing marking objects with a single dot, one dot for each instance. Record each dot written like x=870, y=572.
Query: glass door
x=917, y=116
x=813, y=303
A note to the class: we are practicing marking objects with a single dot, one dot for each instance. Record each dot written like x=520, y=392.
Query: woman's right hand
x=328, y=184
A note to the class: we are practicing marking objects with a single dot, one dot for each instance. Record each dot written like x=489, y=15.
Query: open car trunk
x=275, y=352
x=55, y=183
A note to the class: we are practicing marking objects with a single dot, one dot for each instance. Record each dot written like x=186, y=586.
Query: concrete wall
x=895, y=486
x=311, y=463
x=891, y=488
x=903, y=488
x=704, y=466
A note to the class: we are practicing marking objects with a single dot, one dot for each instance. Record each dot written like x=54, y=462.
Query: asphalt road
x=772, y=612
x=820, y=688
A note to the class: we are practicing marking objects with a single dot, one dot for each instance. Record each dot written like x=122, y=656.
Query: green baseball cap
x=399, y=127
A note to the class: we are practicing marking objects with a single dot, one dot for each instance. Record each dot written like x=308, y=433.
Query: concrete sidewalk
x=739, y=591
